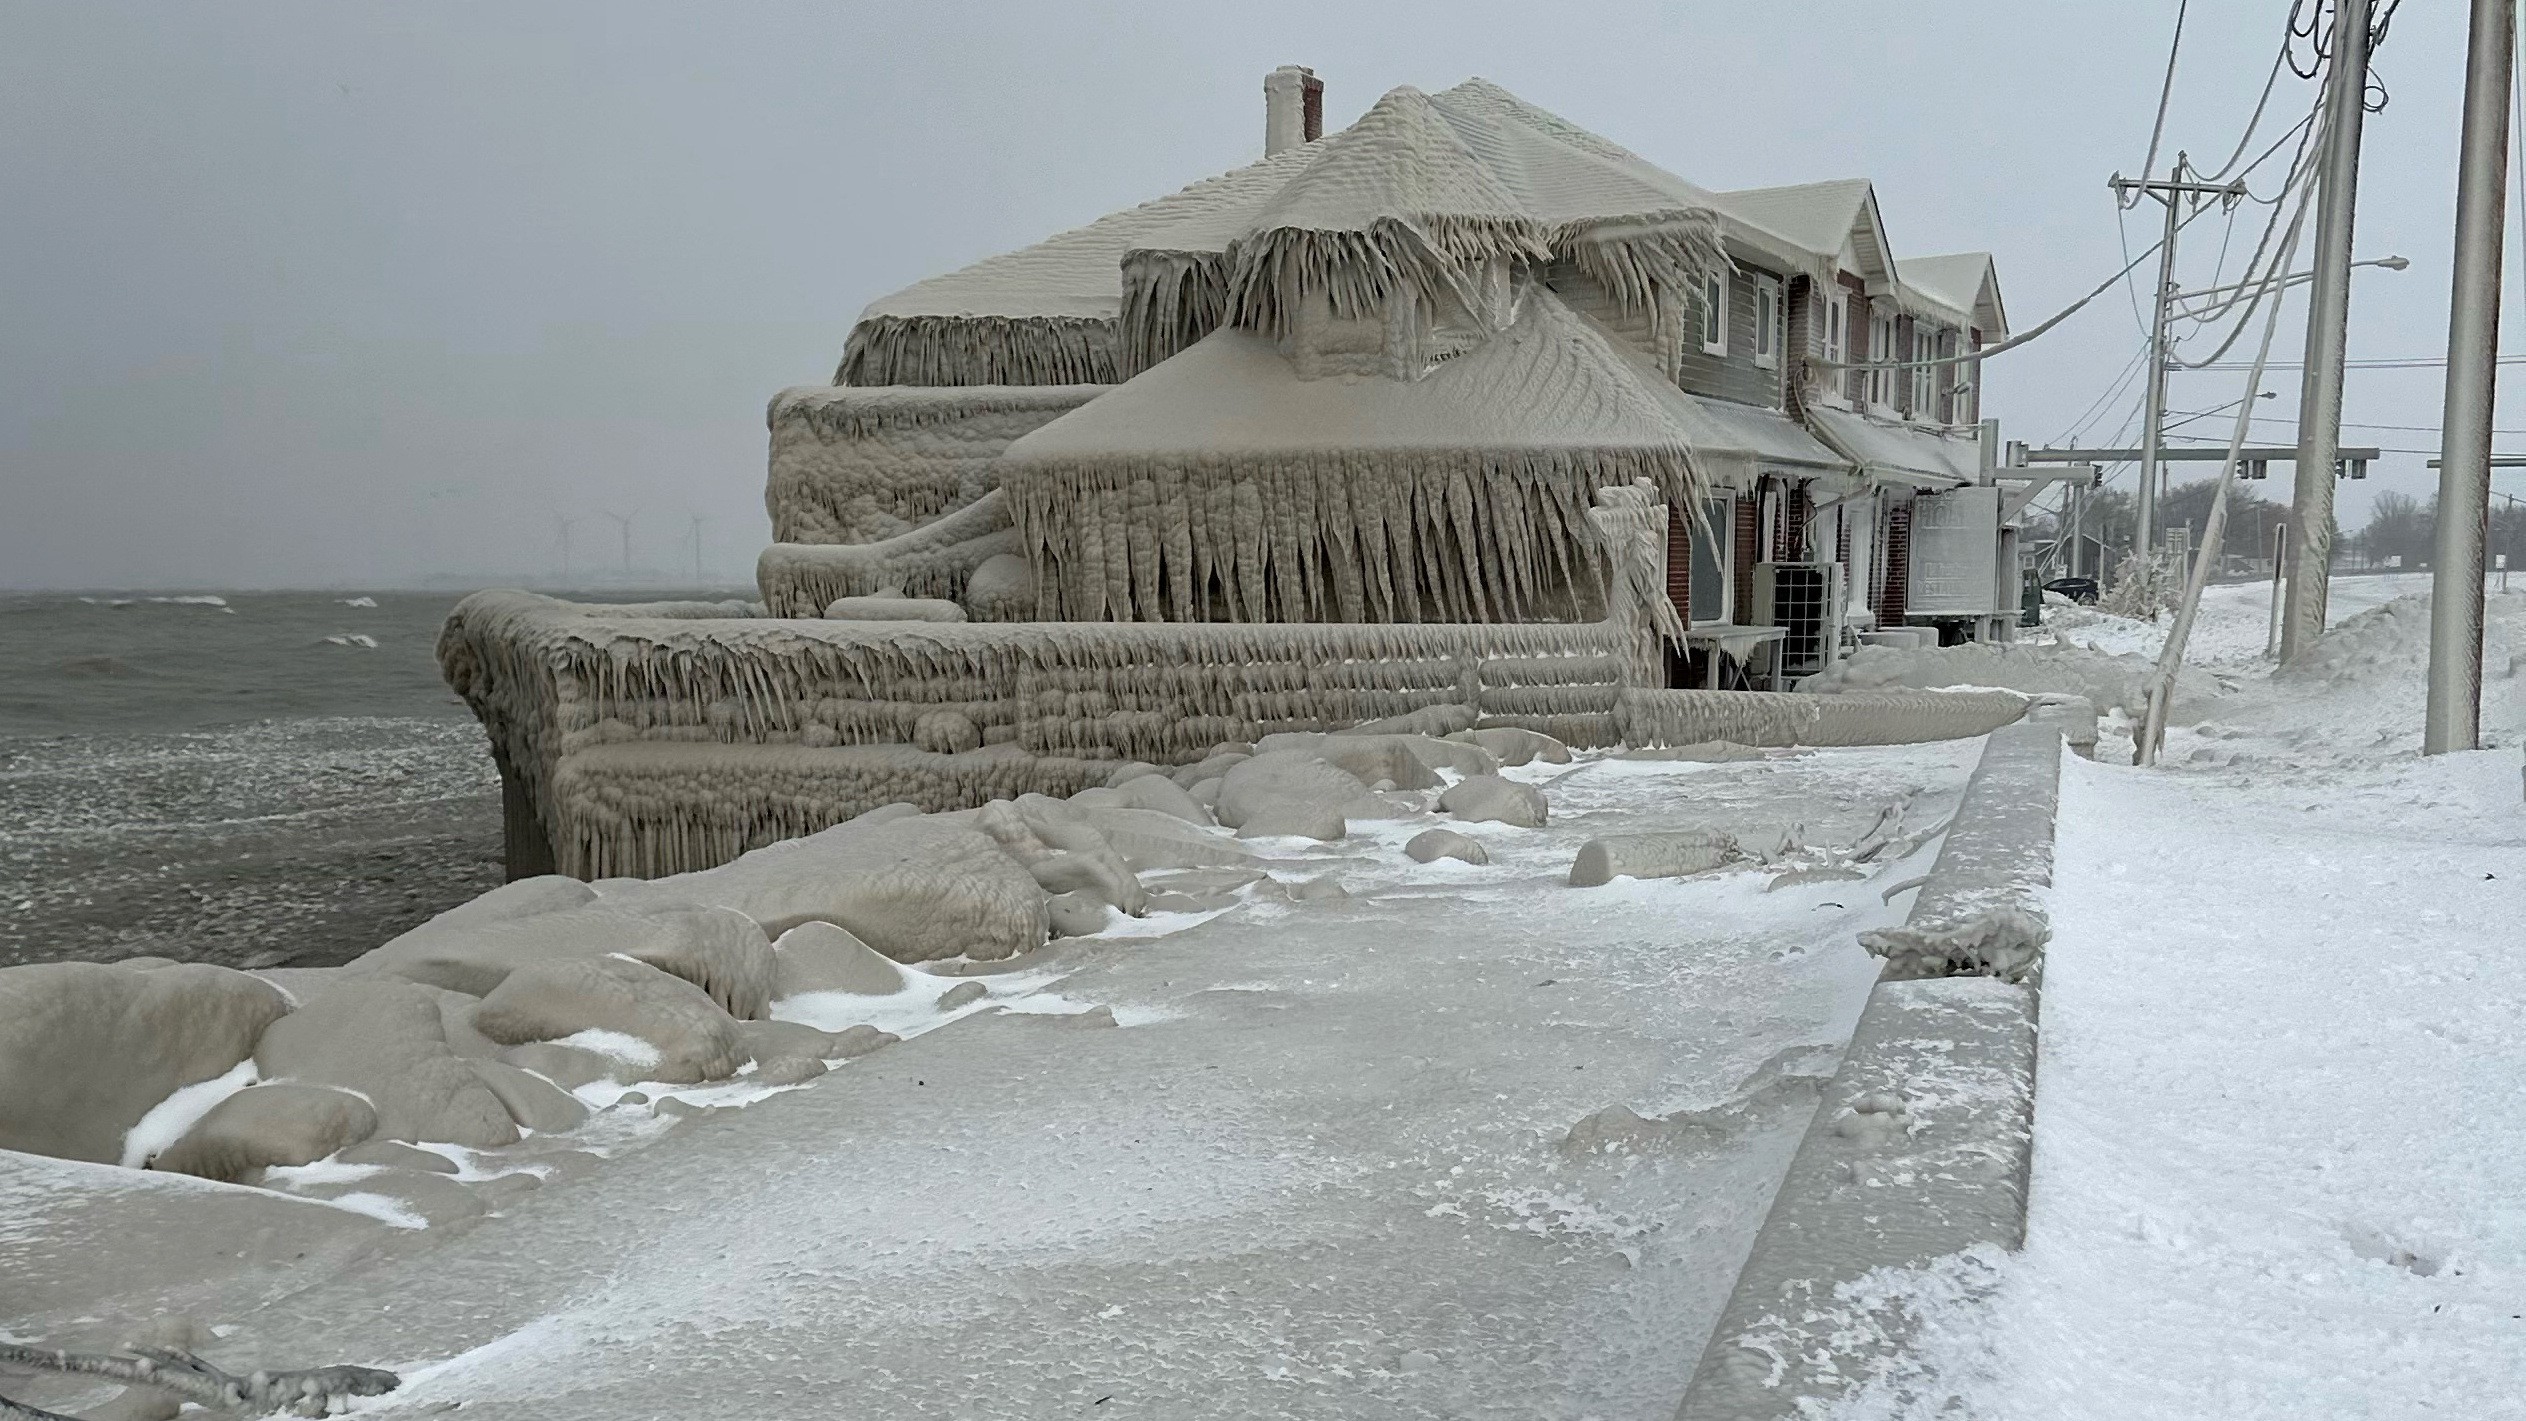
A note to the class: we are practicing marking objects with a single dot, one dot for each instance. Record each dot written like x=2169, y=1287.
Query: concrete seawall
x=1920, y=1145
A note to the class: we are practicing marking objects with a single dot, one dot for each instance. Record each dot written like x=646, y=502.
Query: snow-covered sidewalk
x=2283, y=1110
x=2280, y=1121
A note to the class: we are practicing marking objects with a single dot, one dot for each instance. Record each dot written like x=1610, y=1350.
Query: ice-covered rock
x=1078, y=914
x=1513, y=746
x=1290, y=792
x=533, y=1102
x=820, y=957
x=280, y=1123
x=718, y=950
x=1669, y=855
x=915, y=889
x=695, y=1040
x=86, y=1050
x=1431, y=845
x=383, y=1040
x=1493, y=799
x=1151, y=839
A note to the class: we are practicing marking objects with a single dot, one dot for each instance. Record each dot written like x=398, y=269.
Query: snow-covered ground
x=1323, y=1165
x=2281, y=1109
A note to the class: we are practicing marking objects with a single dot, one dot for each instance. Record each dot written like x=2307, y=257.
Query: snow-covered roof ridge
x=1969, y=282
x=1431, y=192
x=1395, y=199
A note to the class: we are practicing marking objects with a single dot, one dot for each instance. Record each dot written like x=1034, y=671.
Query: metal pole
x=2153, y=417
x=2473, y=338
x=2328, y=317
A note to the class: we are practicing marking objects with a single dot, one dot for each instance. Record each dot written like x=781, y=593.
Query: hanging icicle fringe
x=1374, y=535
x=1170, y=300
x=1661, y=717
x=1653, y=263
x=837, y=412
x=553, y=680
x=855, y=464
x=1272, y=273
x=934, y=560
x=981, y=350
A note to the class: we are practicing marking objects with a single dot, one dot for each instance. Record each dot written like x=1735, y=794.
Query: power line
x=2166, y=92
x=2416, y=362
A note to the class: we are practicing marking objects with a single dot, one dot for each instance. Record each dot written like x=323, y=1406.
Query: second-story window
x=1925, y=377
x=1715, y=314
x=1767, y=320
x=1881, y=339
x=1831, y=315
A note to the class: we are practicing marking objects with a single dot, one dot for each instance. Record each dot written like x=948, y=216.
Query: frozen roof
x=1897, y=452
x=1818, y=217
x=1422, y=190
x=1552, y=380
x=1219, y=484
x=1422, y=182
x=1966, y=281
x=1745, y=440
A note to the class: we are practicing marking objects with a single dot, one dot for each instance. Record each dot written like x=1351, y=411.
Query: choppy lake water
x=243, y=778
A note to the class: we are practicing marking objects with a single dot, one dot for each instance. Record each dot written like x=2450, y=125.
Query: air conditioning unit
x=1805, y=599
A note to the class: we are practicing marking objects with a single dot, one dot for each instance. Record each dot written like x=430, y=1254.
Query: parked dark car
x=2077, y=589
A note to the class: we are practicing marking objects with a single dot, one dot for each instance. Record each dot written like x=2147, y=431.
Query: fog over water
x=303, y=294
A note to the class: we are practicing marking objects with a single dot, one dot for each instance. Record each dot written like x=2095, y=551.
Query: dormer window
x=1715, y=314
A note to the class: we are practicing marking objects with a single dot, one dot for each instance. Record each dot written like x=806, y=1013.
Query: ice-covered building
x=1744, y=308
x=1460, y=407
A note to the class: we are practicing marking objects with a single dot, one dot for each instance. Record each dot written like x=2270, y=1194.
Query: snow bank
x=2107, y=679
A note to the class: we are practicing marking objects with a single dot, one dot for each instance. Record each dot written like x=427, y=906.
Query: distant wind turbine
x=625, y=524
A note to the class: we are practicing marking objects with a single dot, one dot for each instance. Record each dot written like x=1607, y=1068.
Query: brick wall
x=1749, y=527
x=1892, y=597
x=1679, y=560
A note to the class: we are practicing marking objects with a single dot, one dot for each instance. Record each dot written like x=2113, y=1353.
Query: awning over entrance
x=1898, y=454
x=1737, y=442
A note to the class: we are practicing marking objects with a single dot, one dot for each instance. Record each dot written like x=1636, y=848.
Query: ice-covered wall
x=1663, y=717
x=856, y=465
x=552, y=680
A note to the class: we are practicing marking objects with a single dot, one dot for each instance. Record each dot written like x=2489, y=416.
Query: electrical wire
x=2013, y=342
x=2122, y=378
x=2166, y=93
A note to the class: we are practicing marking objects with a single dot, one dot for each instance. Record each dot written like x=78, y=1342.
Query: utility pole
x=2180, y=195
x=2454, y=719
x=2328, y=320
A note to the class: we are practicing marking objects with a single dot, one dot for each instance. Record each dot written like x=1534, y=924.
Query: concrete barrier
x=1920, y=1145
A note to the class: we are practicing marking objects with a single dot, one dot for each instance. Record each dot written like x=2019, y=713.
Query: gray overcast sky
x=332, y=294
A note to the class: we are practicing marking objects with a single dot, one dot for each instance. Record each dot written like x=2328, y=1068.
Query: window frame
x=1715, y=313
x=1924, y=377
x=1834, y=323
x=1769, y=322
x=1881, y=339
x=1716, y=535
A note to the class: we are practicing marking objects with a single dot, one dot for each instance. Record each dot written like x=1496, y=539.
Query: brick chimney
x=1293, y=108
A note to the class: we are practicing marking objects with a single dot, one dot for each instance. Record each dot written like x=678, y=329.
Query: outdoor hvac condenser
x=1956, y=555
x=1805, y=600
